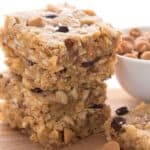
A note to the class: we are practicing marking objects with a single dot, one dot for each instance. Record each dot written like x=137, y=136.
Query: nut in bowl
x=133, y=66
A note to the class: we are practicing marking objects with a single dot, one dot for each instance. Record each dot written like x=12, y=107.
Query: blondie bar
x=34, y=76
x=64, y=41
x=51, y=118
x=58, y=58
x=131, y=128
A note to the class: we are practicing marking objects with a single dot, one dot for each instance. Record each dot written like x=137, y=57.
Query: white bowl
x=134, y=75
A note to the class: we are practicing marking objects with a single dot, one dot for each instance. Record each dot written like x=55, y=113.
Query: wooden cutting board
x=13, y=140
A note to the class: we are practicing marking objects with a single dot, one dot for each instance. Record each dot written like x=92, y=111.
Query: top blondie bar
x=59, y=35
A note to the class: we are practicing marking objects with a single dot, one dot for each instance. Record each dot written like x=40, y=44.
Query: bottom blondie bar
x=131, y=128
x=48, y=122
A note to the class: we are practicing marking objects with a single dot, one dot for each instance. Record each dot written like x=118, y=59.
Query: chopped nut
x=85, y=94
x=74, y=93
x=79, y=106
x=59, y=126
x=145, y=55
x=26, y=121
x=50, y=124
x=53, y=61
x=89, y=12
x=68, y=135
x=61, y=97
x=68, y=120
x=38, y=22
x=54, y=135
x=17, y=66
x=82, y=115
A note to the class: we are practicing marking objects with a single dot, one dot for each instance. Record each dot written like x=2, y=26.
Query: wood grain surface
x=13, y=140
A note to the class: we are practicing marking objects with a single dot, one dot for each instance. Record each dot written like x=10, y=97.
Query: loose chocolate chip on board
x=117, y=123
x=37, y=90
x=122, y=111
x=90, y=63
x=51, y=16
x=97, y=106
x=62, y=29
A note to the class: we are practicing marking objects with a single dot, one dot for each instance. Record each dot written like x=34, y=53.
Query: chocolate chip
x=122, y=111
x=62, y=29
x=37, y=90
x=63, y=70
x=90, y=63
x=51, y=16
x=97, y=106
x=117, y=123
x=31, y=63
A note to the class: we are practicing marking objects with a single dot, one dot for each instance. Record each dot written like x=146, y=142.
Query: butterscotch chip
x=112, y=145
x=89, y=12
x=126, y=47
x=145, y=55
x=135, y=32
x=38, y=22
x=142, y=46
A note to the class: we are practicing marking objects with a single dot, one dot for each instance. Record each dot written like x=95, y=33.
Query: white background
x=120, y=13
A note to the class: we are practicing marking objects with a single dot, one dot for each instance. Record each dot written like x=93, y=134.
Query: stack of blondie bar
x=58, y=60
